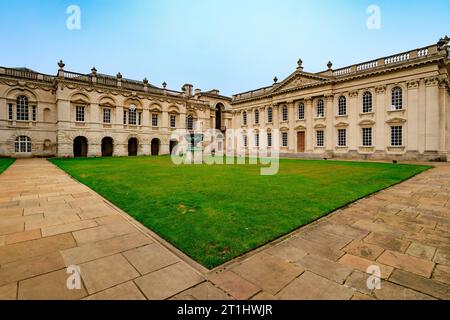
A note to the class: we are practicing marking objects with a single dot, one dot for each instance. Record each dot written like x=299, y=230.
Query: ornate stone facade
x=396, y=107
x=53, y=111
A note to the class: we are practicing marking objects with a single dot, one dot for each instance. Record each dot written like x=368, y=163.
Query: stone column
x=119, y=117
x=353, y=133
x=309, y=117
x=379, y=135
x=164, y=121
x=330, y=113
x=444, y=114
x=432, y=114
x=412, y=109
x=291, y=135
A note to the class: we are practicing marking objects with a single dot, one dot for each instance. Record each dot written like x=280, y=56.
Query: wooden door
x=301, y=141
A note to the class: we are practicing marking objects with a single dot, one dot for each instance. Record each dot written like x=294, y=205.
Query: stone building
x=93, y=114
x=397, y=107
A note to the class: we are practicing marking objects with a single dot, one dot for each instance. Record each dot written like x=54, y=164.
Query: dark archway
x=155, y=147
x=107, y=147
x=173, y=144
x=219, y=109
x=80, y=147
x=133, y=147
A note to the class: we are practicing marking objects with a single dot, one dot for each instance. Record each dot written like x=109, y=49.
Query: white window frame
x=301, y=111
x=397, y=98
x=256, y=116
x=22, y=110
x=155, y=120
x=342, y=106
x=284, y=140
x=244, y=118
x=396, y=136
x=284, y=114
x=270, y=115
x=367, y=136
x=320, y=112
x=342, y=137
x=320, y=138
x=80, y=113
x=367, y=102
x=22, y=144
x=173, y=121
x=107, y=115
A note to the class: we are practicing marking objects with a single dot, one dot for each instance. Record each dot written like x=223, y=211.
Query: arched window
x=132, y=115
x=270, y=115
x=256, y=116
x=320, y=109
x=22, y=144
x=22, y=108
x=190, y=122
x=342, y=110
x=367, y=102
x=301, y=111
x=397, y=98
x=285, y=113
x=244, y=118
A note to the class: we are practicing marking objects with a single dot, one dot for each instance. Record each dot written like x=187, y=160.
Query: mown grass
x=216, y=213
x=5, y=163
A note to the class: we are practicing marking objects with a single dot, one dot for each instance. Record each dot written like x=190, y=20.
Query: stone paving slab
x=48, y=222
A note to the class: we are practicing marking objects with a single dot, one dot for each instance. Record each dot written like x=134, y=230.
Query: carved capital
x=309, y=100
x=432, y=81
x=380, y=90
x=329, y=98
x=353, y=94
x=414, y=84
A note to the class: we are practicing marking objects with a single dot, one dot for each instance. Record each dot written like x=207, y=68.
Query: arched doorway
x=155, y=147
x=219, y=109
x=80, y=147
x=107, y=147
x=133, y=147
x=173, y=144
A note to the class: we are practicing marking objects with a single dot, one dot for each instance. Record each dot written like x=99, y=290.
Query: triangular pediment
x=299, y=79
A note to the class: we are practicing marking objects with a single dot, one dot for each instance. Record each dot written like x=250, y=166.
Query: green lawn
x=5, y=163
x=216, y=213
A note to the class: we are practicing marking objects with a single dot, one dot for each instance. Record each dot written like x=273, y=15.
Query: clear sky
x=231, y=45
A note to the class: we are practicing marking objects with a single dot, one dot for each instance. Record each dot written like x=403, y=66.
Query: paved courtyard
x=48, y=222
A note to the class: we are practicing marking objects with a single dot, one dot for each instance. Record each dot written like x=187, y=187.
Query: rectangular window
x=342, y=137
x=244, y=118
x=270, y=115
x=10, y=112
x=245, y=141
x=284, y=139
x=256, y=116
x=285, y=114
x=132, y=117
x=125, y=117
x=173, y=121
x=139, y=118
x=367, y=137
x=301, y=112
x=320, y=138
x=33, y=113
x=397, y=136
x=154, y=120
x=106, y=115
x=257, y=140
x=269, y=139
x=22, y=112
x=79, y=114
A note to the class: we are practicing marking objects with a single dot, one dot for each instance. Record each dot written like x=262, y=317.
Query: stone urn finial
x=275, y=80
x=300, y=64
x=61, y=65
x=164, y=84
x=119, y=76
x=145, y=81
x=329, y=65
x=94, y=71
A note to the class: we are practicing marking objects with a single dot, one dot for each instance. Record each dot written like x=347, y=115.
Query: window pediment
x=396, y=120
x=341, y=125
x=366, y=122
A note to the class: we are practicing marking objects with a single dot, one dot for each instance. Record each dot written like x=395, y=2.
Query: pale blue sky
x=231, y=45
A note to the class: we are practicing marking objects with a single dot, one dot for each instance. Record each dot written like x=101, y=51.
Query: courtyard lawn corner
x=214, y=213
x=5, y=163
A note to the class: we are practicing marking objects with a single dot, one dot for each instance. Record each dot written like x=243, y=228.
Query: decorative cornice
x=432, y=81
x=353, y=94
